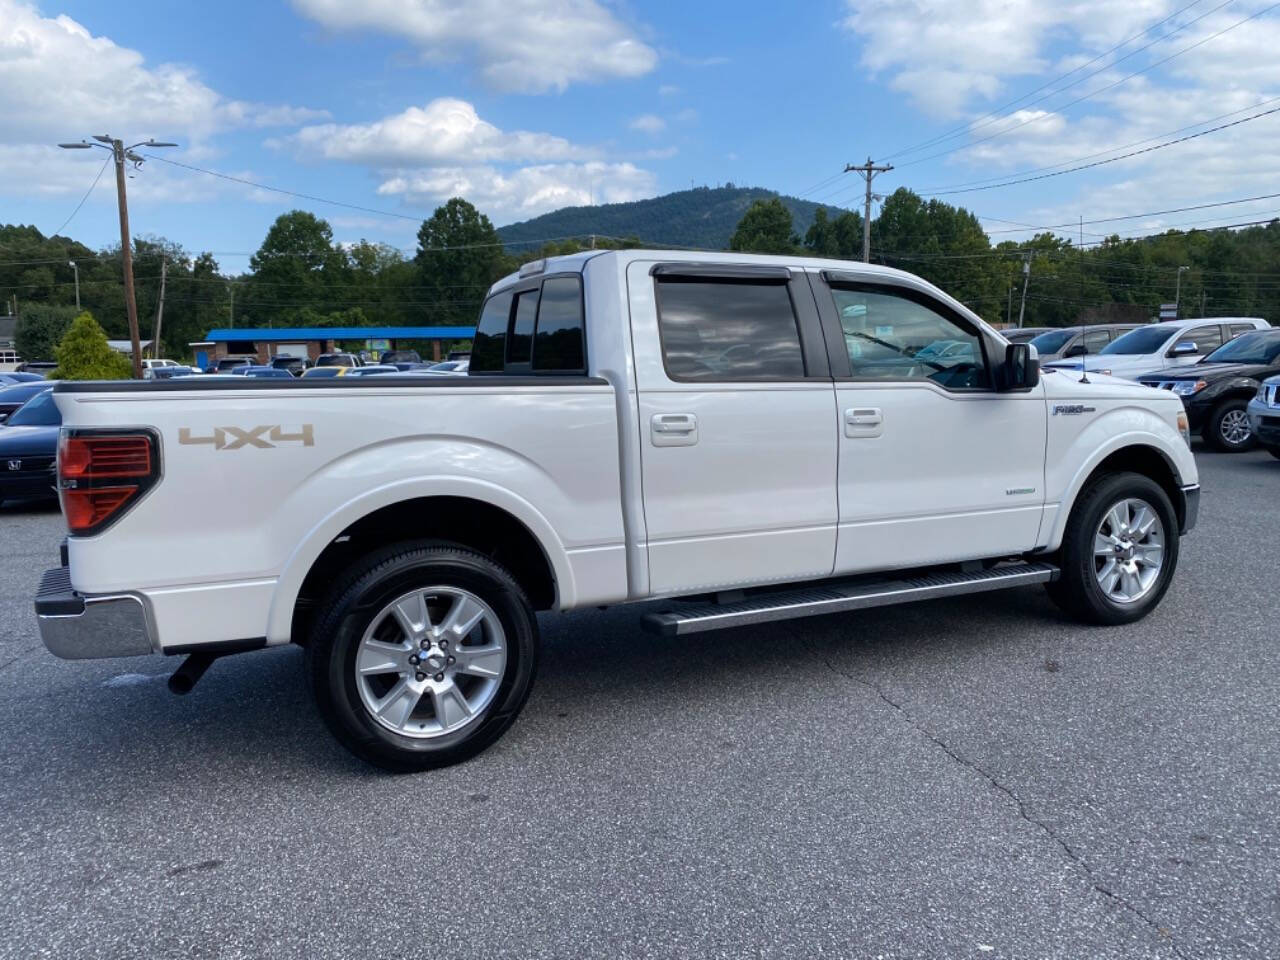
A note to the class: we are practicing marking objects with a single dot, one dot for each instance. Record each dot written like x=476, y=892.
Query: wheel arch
x=488, y=519
x=1132, y=455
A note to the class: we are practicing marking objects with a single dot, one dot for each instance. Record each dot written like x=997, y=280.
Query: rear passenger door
x=737, y=426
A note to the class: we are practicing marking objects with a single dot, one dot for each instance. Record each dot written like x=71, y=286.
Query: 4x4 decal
x=236, y=438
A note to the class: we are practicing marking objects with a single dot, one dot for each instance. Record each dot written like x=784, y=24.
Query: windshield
x=1143, y=340
x=1053, y=341
x=39, y=411
x=447, y=365
x=1261, y=347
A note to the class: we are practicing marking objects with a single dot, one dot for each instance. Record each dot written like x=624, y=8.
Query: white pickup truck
x=742, y=438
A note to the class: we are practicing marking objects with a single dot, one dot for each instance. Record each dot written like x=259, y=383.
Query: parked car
x=157, y=364
x=616, y=449
x=1064, y=342
x=1170, y=343
x=449, y=368
x=412, y=367
x=1264, y=415
x=1023, y=334
x=166, y=372
x=39, y=367
x=294, y=365
x=8, y=379
x=14, y=396
x=1217, y=390
x=258, y=371
x=29, y=449
x=339, y=360
x=372, y=369
x=397, y=357
x=229, y=363
x=318, y=372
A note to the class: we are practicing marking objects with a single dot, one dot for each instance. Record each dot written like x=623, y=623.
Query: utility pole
x=155, y=336
x=120, y=153
x=1177, y=293
x=1008, y=313
x=231, y=307
x=1026, y=277
x=76, y=271
x=868, y=172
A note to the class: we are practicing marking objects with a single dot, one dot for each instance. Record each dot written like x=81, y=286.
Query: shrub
x=84, y=354
x=39, y=329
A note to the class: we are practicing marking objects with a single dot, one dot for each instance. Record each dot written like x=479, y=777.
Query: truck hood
x=1118, y=363
x=1065, y=386
x=1210, y=371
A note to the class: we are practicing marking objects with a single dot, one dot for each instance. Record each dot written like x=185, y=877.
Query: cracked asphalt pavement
x=966, y=778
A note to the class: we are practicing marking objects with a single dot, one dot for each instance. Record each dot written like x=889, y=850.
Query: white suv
x=1157, y=346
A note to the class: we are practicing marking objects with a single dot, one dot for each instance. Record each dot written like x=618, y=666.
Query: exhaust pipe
x=188, y=675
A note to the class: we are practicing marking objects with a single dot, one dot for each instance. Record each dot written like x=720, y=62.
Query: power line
x=101, y=171
x=1099, y=163
x=996, y=113
x=1104, y=89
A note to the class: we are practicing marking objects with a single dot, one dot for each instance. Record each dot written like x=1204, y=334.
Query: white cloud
x=524, y=46
x=445, y=131
x=58, y=82
x=525, y=192
x=424, y=155
x=649, y=123
x=946, y=53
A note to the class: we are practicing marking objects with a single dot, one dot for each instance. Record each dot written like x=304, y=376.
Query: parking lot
x=976, y=777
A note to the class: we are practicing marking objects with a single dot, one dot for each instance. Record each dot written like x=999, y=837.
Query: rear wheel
x=1119, y=551
x=423, y=656
x=1228, y=429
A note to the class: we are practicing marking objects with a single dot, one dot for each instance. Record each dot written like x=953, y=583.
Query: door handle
x=673, y=429
x=675, y=423
x=863, y=417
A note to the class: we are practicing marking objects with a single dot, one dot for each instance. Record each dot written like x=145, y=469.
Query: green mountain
x=702, y=217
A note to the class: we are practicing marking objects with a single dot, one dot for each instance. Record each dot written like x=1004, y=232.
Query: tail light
x=102, y=473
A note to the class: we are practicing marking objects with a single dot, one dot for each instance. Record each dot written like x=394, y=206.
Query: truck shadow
x=252, y=716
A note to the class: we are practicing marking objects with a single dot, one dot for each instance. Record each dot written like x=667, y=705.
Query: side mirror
x=1076, y=351
x=1184, y=348
x=1021, y=368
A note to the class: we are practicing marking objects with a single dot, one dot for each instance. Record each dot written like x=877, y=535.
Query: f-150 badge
x=236, y=438
x=1071, y=409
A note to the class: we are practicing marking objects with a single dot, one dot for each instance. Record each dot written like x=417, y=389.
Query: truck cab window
x=892, y=337
x=488, y=349
x=520, y=343
x=728, y=330
x=558, y=343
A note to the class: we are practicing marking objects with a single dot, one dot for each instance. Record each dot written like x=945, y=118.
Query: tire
x=435, y=719
x=1222, y=431
x=1079, y=591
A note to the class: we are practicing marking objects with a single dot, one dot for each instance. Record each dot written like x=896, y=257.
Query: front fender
x=1074, y=461
x=1242, y=387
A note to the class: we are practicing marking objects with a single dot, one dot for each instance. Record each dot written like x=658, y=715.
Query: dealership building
x=310, y=342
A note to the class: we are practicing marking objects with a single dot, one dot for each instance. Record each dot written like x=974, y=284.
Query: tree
x=39, y=329
x=297, y=266
x=459, y=256
x=821, y=238
x=765, y=228
x=84, y=354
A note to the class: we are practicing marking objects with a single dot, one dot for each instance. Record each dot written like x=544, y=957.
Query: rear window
x=728, y=330
x=539, y=330
x=558, y=345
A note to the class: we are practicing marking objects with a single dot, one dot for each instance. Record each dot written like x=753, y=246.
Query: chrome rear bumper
x=78, y=627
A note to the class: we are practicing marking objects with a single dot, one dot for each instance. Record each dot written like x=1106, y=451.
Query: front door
x=737, y=426
x=935, y=465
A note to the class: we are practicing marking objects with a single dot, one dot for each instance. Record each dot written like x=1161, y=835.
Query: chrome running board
x=841, y=596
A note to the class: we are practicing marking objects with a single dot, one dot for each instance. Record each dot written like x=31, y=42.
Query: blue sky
x=526, y=106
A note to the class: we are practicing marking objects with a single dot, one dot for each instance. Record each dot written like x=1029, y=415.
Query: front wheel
x=1228, y=429
x=423, y=656
x=1119, y=551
